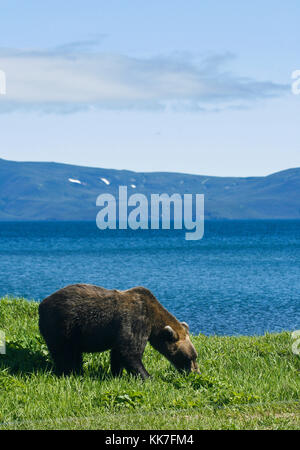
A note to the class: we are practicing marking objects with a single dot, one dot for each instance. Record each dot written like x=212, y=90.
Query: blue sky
x=190, y=86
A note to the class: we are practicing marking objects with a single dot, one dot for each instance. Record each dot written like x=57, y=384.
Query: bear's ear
x=185, y=325
x=170, y=334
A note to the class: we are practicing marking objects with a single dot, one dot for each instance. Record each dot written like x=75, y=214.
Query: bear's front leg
x=131, y=345
x=133, y=364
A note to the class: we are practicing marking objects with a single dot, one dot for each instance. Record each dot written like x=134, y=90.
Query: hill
x=54, y=191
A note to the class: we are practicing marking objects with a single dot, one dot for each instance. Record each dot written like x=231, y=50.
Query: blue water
x=243, y=277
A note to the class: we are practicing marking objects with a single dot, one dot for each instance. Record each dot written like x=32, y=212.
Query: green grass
x=245, y=383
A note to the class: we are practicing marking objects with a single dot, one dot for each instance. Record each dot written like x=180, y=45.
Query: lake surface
x=243, y=277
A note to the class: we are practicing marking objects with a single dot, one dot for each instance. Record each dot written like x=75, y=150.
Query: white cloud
x=68, y=79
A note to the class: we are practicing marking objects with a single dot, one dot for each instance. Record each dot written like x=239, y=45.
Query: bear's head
x=177, y=347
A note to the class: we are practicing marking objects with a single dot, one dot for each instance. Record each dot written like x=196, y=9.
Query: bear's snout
x=195, y=367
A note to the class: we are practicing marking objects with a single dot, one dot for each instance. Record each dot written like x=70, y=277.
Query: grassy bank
x=245, y=383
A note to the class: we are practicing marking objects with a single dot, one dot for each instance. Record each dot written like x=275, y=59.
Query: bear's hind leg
x=116, y=363
x=61, y=364
x=67, y=361
x=77, y=363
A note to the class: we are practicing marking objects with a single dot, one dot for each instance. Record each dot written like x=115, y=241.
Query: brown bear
x=86, y=318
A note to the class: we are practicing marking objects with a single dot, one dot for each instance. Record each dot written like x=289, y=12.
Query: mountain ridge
x=36, y=190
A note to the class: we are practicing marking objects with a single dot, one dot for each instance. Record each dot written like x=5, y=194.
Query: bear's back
x=85, y=302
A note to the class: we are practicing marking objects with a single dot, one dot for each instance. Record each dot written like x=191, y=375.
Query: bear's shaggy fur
x=86, y=318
